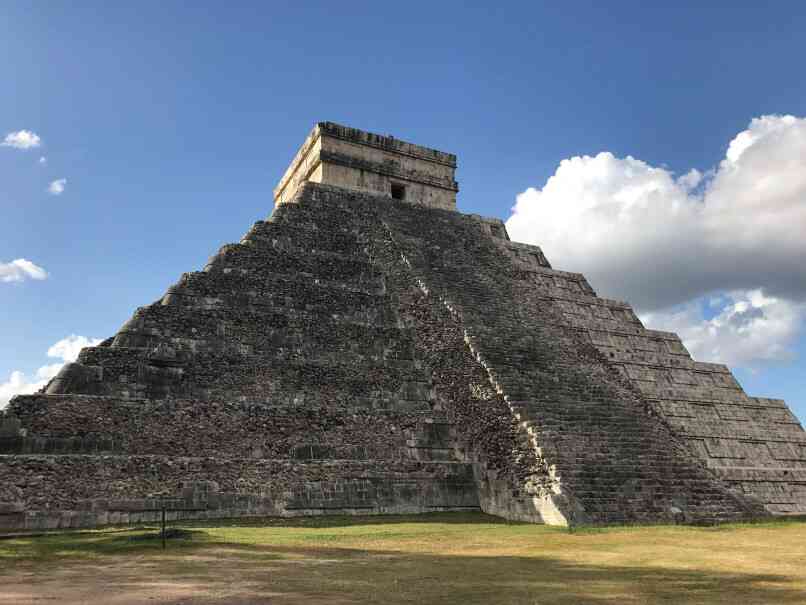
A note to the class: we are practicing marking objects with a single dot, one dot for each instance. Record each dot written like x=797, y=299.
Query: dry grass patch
x=441, y=558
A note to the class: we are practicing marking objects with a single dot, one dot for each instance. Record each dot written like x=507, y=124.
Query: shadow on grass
x=93, y=544
x=408, y=577
x=350, y=575
x=324, y=521
x=404, y=577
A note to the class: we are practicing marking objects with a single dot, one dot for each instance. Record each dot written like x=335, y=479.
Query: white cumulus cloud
x=745, y=327
x=20, y=269
x=637, y=232
x=67, y=349
x=691, y=179
x=57, y=187
x=19, y=384
x=642, y=234
x=43, y=160
x=22, y=139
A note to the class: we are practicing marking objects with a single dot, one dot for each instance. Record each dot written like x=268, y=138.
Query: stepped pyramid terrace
x=368, y=349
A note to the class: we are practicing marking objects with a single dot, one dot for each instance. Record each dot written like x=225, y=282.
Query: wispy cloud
x=21, y=269
x=43, y=160
x=57, y=187
x=22, y=139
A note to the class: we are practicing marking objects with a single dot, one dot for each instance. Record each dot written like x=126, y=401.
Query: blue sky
x=171, y=124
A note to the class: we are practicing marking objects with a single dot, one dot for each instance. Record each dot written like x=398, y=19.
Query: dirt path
x=216, y=577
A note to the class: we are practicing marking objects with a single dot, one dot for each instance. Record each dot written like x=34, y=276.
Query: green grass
x=440, y=558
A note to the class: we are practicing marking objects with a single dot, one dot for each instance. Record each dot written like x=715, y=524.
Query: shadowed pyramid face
x=374, y=351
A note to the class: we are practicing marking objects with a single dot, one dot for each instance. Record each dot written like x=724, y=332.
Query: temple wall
x=353, y=159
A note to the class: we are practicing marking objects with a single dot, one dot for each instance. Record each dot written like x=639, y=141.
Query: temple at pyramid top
x=347, y=157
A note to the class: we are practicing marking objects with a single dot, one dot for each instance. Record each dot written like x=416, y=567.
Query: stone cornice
x=340, y=159
x=386, y=143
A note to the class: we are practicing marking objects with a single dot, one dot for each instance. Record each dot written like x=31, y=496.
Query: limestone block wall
x=46, y=492
x=226, y=429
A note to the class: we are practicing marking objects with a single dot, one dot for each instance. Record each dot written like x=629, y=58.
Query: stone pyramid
x=369, y=349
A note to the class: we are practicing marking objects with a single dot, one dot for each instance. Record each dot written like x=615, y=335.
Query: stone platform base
x=91, y=491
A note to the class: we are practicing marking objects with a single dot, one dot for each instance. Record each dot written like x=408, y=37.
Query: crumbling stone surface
x=78, y=491
x=358, y=353
x=229, y=429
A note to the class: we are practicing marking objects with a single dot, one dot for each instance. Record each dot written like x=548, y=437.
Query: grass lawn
x=441, y=558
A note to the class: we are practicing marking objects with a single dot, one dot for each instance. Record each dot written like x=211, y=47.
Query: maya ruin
x=370, y=349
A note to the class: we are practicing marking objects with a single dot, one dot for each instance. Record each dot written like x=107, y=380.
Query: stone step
x=78, y=424
x=259, y=291
x=136, y=373
x=240, y=258
x=335, y=238
x=322, y=212
x=273, y=331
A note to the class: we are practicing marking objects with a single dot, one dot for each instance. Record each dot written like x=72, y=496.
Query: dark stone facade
x=359, y=354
